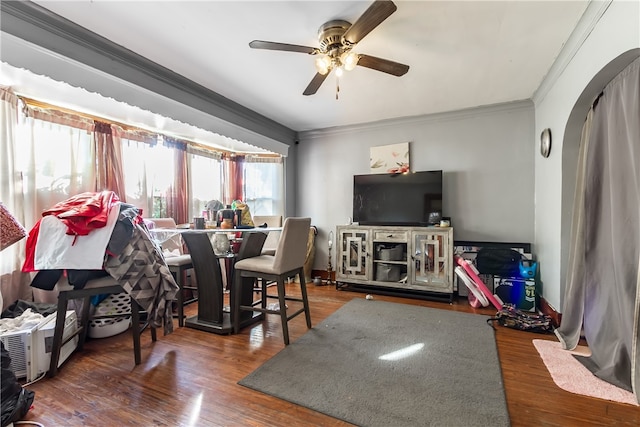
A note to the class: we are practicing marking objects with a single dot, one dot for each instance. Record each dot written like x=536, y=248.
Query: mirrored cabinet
x=432, y=253
x=396, y=259
x=354, y=254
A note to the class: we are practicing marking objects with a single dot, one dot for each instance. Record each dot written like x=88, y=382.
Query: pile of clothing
x=92, y=235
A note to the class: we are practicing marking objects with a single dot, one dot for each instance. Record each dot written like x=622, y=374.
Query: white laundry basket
x=114, y=304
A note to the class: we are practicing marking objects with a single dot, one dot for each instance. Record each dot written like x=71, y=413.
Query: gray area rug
x=349, y=366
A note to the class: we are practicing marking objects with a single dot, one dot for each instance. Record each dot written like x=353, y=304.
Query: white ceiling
x=461, y=54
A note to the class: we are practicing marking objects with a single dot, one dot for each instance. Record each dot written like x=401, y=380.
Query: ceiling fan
x=337, y=39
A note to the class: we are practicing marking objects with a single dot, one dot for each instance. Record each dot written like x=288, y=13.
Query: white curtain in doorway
x=13, y=284
x=602, y=295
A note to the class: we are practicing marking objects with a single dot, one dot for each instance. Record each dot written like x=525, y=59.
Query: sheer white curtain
x=264, y=185
x=56, y=159
x=206, y=179
x=148, y=174
x=46, y=158
x=574, y=303
x=13, y=284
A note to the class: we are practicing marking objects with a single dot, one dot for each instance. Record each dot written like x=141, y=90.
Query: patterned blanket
x=142, y=272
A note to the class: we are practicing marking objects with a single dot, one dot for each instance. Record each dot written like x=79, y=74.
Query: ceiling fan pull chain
x=337, y=86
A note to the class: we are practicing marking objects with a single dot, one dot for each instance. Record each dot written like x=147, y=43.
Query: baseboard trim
x=546, y=308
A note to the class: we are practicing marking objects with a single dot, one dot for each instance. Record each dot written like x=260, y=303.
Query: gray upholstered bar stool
x=288, y=261
x=271, y=243
x=103, y=285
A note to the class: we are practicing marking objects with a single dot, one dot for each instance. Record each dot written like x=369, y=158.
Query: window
x=55, y=162
x=148, y=174
x=206, y=182
x=56, y=159
x=264, y=186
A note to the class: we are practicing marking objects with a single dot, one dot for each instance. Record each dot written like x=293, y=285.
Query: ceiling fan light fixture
x=336, y=40
x=349, y=60
x=323, y=64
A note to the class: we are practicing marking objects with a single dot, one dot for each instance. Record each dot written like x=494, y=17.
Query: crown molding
x=417, y=120
x=579, y=35
x=35, y=24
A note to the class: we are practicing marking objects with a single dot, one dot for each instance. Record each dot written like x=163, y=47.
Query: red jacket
x=84, y=212
x=81, y=214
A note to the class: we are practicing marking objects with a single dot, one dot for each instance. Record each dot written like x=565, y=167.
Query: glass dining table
x=212, y=314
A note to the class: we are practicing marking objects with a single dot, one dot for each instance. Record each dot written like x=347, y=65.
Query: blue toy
x=528, y=268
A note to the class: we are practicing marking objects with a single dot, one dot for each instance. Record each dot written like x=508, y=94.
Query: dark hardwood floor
x=189, y=378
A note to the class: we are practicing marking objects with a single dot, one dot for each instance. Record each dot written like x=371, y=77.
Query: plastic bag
x=15, y=400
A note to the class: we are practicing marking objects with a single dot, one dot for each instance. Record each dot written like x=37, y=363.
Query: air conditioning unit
x=30, y=349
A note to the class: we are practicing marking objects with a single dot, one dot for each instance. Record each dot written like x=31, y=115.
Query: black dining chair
x=99, y=286
x=252, y=246
x=206, y=265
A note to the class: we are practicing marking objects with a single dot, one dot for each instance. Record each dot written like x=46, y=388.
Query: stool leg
x=283, y=310
x=305, y=299
x=86, y=305
x=135, y=331
x=263, y=286
x=179, y=276
x=236, y=294
x=57, y=334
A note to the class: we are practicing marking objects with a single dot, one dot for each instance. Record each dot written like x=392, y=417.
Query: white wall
x=617, y=31
x=497, y=186
x=486, y=154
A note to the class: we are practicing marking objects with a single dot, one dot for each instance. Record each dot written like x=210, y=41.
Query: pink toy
x=476, y=297
x=473, y=273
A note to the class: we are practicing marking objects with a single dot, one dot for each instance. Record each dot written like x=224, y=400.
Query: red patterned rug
x=571, y=375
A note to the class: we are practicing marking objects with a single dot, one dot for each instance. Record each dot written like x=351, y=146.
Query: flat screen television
x=411, y=199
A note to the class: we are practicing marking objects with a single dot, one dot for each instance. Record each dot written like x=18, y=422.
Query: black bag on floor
x=503, y=262
x=14, y=400
x=511, y=317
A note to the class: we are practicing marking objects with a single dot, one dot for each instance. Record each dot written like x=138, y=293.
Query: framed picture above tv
x=412, y=199
x=390, y=158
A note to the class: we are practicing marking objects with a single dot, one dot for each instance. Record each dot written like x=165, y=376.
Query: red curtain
x=109, y=175
x=178, y=197
x=233, y=188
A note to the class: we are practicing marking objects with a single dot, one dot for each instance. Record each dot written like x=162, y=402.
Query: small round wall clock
x=545, y=142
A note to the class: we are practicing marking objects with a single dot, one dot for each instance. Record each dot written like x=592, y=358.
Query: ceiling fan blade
x=260, y=44
x=370, y=19
x=384, y=65
x=315, y=84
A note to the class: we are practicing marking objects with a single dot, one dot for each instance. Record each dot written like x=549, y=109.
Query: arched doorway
x=571, y=146
x=601, y=297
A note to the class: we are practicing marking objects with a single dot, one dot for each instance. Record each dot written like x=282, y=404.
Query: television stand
x=398, y=260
